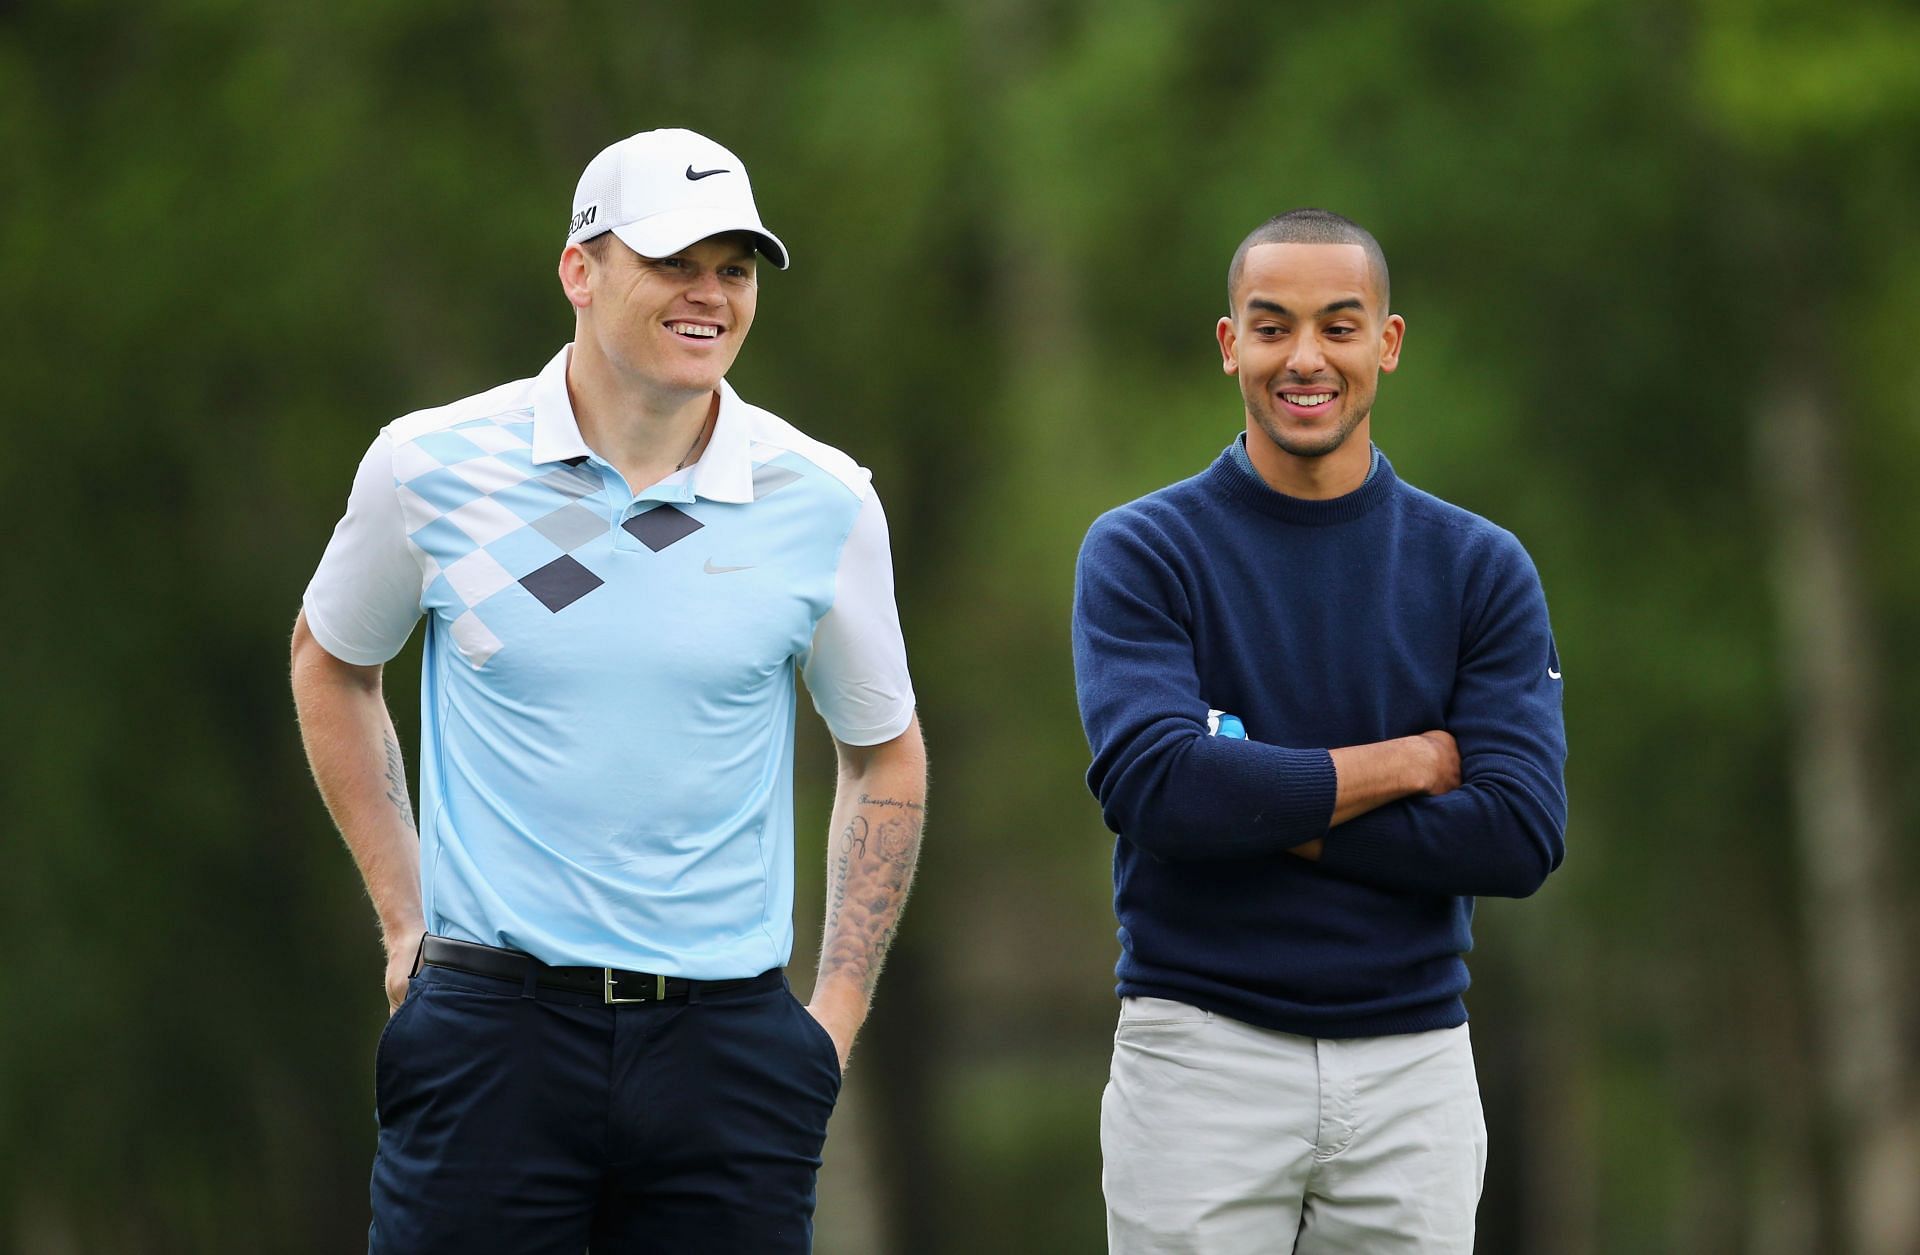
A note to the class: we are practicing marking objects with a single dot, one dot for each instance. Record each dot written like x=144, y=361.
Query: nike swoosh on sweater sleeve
x=1504, y=829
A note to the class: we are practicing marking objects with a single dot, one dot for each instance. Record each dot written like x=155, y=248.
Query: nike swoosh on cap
x=701, y=174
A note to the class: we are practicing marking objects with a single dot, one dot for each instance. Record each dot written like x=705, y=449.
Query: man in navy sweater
x=1324, y=710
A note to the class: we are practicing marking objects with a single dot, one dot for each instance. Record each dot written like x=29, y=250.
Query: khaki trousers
x=1220, y=1138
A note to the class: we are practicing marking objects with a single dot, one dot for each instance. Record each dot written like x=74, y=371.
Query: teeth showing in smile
x=1309, y=398
x=694, y=329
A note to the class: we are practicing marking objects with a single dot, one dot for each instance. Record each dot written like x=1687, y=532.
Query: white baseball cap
x=660, y=191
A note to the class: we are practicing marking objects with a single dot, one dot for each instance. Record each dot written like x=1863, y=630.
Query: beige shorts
x=1221, y=1138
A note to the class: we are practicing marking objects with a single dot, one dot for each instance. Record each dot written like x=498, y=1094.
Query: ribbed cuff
x=1302, y=786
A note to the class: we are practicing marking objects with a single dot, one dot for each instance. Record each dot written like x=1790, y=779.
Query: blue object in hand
x=1220, y=723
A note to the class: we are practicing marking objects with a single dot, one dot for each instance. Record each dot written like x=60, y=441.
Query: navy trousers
x=537, y=1122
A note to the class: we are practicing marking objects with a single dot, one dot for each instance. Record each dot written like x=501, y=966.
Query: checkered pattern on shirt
x=489, y=524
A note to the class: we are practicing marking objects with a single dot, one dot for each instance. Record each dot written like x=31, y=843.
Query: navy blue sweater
x=1321, y=624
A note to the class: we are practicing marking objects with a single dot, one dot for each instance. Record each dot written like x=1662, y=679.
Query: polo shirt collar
x=725, y=469
x=723, y=473
x=556, y=433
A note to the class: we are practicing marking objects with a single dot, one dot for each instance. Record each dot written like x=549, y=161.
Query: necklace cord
x=698, y=436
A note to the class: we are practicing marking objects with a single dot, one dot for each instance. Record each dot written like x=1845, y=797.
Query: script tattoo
x=397, y=781
x=853, y=840
x=873, y=862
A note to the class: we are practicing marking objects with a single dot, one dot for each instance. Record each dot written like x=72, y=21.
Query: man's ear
x=1390, y=337
x=576, y=270
x=1224, y=332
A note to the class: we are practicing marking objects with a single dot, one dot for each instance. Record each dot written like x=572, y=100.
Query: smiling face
x=669, y=325
x=1307, y=340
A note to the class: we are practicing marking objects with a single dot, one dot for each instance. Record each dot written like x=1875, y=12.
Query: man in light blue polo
x=622, y=566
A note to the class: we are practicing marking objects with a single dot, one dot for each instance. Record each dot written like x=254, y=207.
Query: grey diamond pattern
x=571, y=481
x=571, y=526
x=662, y=526
x=768, y=478
x=560, y=583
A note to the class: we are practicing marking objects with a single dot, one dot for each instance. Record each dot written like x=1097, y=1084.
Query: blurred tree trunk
x=1863, y=1001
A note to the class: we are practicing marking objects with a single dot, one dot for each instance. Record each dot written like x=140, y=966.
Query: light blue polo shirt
x=608, y=700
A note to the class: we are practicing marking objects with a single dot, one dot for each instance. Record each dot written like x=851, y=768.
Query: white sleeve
x=856, y=669
x=364, y=599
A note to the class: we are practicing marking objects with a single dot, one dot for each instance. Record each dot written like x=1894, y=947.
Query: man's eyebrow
x=1274, y=307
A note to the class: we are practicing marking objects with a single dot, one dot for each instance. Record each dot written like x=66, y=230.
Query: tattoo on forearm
x=872, y=868
x=915, y=807
x=397, y=781
x=852, y=840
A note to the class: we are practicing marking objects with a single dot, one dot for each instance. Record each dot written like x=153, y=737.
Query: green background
x=1657, y=260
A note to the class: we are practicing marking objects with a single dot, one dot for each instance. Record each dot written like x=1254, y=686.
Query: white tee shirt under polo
x=607, y=698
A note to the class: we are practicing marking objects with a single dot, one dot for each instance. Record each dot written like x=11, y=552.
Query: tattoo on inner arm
x=915, y=807
x=397, y=781
x=873, y=863
x=853, y=839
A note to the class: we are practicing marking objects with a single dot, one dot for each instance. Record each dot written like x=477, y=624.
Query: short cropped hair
x=600, y=247
x=1309, y=226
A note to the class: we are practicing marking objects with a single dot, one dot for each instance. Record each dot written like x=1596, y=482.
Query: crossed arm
x=1370, y=776
x=1418, y=814
x=873, y=845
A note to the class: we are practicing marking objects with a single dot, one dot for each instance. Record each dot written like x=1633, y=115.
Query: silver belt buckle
x=659, y=989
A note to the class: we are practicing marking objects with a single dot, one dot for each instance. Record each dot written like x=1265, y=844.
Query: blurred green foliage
x=239, y=236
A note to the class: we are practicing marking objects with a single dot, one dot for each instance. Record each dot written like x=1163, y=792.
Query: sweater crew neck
x=1240, y=483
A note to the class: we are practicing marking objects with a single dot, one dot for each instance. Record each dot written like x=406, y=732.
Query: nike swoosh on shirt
x=692, y=174
x=711, y=569
x=1552, y=674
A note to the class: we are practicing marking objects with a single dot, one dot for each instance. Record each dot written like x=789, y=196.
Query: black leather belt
x=609, y=984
